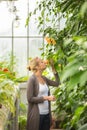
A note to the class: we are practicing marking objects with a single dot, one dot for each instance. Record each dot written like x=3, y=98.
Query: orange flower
x=53, y=41
x=5, y=70
x=50, y=40
x=46, y=62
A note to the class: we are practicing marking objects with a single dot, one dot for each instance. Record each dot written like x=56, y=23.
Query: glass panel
x=19, y=25
x=33, y=30
x=34, y=47
x=5, y=20
x=20, y=51
x=32, y=5
x=5, y=47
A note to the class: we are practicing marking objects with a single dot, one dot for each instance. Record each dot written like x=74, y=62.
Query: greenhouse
x=43, y=64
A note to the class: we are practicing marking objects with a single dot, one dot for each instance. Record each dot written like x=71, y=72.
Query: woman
x=39, y=112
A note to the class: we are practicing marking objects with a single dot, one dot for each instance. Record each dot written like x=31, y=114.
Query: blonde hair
x=33, y=64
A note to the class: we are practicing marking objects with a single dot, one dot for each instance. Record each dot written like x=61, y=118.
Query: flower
x=46, y=62
x=5, y=70
x=50, y=40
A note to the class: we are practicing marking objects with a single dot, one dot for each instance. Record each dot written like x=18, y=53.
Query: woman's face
x=42, y=64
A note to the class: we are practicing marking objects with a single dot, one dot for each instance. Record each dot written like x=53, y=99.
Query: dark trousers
x=44, y=122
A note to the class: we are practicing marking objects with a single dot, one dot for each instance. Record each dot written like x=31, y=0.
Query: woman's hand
x=49, y=98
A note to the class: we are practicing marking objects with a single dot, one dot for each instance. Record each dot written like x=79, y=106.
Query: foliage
x=70, y=51
x=84, y=127
x=22, y=117
x=8, y=87
x=22, y=122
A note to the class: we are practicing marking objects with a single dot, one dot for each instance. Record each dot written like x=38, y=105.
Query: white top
x=43, y=91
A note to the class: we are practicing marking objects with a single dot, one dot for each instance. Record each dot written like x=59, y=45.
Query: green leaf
x=70, y=70
x=42, y=13
x=83, y=127
x=27, y=21
x=83, y=9
x=77, y=114
x=83, y=78
x=66, y=5
x=74, y=80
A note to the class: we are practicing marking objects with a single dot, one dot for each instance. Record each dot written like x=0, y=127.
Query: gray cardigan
x=33, y=100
